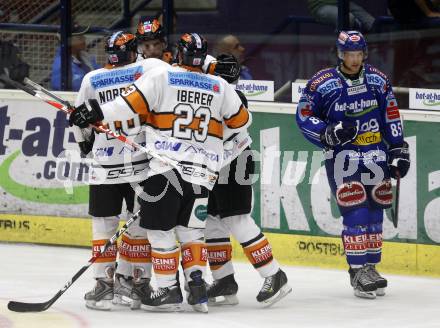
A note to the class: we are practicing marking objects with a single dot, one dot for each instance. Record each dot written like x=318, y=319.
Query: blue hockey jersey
x=369, y=102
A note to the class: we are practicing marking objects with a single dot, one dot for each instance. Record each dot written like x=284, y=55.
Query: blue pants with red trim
x=362, y=197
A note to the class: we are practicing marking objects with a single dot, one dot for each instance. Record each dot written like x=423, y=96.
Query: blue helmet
x=351, y=41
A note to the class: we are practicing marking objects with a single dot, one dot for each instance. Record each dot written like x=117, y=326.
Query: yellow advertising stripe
x=327, y=252
x=46, y=230
x=324, y=252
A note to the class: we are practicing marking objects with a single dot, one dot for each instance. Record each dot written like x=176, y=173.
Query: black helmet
x=193, y=48
x=149, y=29
x=118, y=47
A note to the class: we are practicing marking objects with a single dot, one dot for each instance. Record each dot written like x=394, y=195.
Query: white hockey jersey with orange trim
x=185, y=110
x=113, y=161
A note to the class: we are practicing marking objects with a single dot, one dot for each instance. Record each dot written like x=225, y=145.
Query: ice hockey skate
x=141, y=289
x=168, y=299
x=223, y=291
x=197, y=296
x=362, y=283
x=122, y=290
x=100, y=298
x=381, y=282
x=274, y=288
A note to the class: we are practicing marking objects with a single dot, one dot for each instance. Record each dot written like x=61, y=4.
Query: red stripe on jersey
x=392, y=111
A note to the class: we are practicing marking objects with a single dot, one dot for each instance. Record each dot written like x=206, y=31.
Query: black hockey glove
x=227, y=67
x=398, y=160
x=87, y=145
x=339, y=133
x=88, y=113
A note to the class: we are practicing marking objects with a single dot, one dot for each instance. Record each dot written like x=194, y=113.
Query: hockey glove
x=339, y=133
x=398, y=160
x=88, y=113
x=86, y=146
x=227, y=67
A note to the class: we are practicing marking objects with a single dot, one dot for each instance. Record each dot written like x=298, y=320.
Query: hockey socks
x=219, y=257
x=374, y=243
x=259, y=253
x=355, y=245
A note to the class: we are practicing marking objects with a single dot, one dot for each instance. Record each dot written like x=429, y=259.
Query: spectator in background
x=413, y=14
x=326, y=12
x=82, y=62
x=418, y=69
x=231, y=45
x=11, y=64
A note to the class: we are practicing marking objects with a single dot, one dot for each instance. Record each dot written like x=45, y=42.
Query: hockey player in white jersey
x=229, y=212
x=116, y=167
x=151, y=38
x=186, y=110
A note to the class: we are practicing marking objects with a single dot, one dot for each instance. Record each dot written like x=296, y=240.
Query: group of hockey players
x=189, y=115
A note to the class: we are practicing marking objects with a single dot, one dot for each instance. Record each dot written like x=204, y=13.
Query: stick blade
x=394, y=218
x=28, y=307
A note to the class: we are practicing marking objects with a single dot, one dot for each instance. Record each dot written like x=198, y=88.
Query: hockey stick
x=38, y=87
x=395, y=210
x=39, y=307
x=65, y=107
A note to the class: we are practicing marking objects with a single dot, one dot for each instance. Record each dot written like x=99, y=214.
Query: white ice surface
x=320, y=298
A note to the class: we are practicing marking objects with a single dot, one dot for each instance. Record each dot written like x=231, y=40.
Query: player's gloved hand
x=88, y=113
x=86, y=146
x=398, y=160
x=226, y=66
x=339, y=133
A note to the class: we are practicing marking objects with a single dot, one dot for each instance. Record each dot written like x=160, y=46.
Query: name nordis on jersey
x=191, y=80
x=123, y=76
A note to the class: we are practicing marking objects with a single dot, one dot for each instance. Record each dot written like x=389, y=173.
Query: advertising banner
x=291, y=193
x=294, y=196
x=424, y=99
x=35, y=176
x=256, y=90
x=297, y=89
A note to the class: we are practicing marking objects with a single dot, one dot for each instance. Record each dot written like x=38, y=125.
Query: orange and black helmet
x=149, y=29
x=118, y=47
x=193, y=47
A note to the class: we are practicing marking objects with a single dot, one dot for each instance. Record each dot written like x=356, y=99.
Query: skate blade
x=177, y=307
x=367, y=295
x=103, y=305
x=202, y=307
x=380, y=292
x=286, y=289
x=223, y=300
x=121, y=300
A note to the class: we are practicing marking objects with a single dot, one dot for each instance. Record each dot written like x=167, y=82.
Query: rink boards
x=324, y=252
x=43, y=200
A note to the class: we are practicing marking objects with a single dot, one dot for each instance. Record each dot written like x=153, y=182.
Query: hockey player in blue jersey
x=350, y=111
